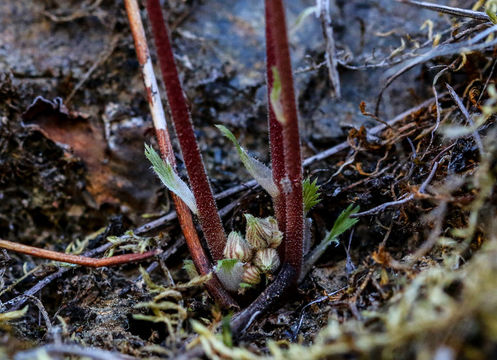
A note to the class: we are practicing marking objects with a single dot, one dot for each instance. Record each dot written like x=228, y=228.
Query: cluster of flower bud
x=256, y=253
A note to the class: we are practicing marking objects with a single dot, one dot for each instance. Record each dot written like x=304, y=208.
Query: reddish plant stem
x=197, y=252
x=275, y=136
x=293, y=252
x=75, y=259
x=207, y=210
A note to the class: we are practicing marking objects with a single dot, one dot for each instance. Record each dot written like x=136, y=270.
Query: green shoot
x=260, y=172
x=311, y=194
x=343, y=223
x=170, y=179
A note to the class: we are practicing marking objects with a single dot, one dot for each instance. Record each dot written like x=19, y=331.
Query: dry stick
x=207, y=210
x=468, y=117
x=160, y=222
x=17, y=302
x=275, y=137
x=405, y=198
x=449, y=10
x=197, y=252
x=446, y=48
x=331, y=57
x=437, y=106
x=75, y=259
x=101, y=60
x=293, y=250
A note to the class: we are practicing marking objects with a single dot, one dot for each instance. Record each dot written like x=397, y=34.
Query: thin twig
x=487, y=81
x=317, y=301
x=331, y=56
x=478, y=15
x=405, y=198
x=468, y=117
x=441, y=50
x=437, y=106
x=43, y=312
x=76, y=259
x=17, y=302
x=101, y=60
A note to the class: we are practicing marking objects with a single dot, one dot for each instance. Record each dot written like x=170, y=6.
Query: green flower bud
x=263, y=233
x=257, y=232
x=267, y=260
x=237, y=248
x=251, y=275
x=276, y=235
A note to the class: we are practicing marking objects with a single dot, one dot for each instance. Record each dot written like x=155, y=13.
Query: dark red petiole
x=207, y=211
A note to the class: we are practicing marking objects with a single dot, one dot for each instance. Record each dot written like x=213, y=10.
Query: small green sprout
x=170, y=179
x=260, y=172
x=311, y=194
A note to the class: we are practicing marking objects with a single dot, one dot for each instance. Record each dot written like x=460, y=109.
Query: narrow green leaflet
x=170, y=179
x=311, y=194
x=343, y=223
x=260, y=172
x=275, y=97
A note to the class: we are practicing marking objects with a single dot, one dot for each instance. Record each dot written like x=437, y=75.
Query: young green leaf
x=275, y=97
x=170, y=179
x=343, y=223
x=260, y=172
x=311, y=194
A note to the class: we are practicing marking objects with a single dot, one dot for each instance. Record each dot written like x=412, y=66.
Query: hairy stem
x=208, y=215
x=275, y=135
x=292, y=186
x=197, y=252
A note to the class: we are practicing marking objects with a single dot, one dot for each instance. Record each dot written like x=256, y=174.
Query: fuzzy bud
x=257, y=232
x=263, y=233
x=237, y=248
x=230, y=273
x=251, y=275
x=276, y=235
x=267, y=260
